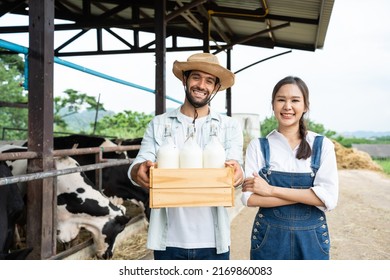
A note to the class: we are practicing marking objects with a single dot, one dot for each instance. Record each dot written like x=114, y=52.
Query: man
x=192, y=232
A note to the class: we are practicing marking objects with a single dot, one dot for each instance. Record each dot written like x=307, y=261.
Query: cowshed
x=80, y=205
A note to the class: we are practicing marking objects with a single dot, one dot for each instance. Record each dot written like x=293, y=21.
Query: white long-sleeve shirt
x=282, y=158
x=189, y=227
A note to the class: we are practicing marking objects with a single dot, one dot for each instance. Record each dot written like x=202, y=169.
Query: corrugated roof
x=374, y=150
x=274, y=23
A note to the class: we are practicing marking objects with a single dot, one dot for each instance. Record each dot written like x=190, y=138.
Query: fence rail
x=66, y=152
x=54, y=173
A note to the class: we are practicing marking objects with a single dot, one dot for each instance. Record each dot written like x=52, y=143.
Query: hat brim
x=226, y=77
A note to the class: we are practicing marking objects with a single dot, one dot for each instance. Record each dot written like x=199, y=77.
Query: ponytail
x=304, y=150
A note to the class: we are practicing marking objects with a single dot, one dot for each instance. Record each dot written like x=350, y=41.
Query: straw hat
x=204, y=62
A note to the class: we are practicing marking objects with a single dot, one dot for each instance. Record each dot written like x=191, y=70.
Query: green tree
x=347, y=142
x=320, y=129
x=125, y=125
x=72, y=103
x=267, y=125
x=11, y=91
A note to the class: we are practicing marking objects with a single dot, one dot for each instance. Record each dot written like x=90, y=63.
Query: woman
x=291, y=175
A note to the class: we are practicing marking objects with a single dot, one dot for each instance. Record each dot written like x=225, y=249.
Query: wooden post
x=41, y=195
x=160, y=31
x=229, y=90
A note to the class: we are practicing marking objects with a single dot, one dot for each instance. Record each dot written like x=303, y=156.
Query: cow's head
x=111, y=230
x=114, y=155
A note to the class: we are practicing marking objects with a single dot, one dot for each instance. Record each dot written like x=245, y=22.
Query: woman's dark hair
x=304, y=150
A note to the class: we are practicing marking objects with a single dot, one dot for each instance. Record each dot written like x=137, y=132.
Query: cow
x=11, y=208
x=116, y=185
x=81, y=205
x=115, y=181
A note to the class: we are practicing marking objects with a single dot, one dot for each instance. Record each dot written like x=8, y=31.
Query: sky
x=348, y=79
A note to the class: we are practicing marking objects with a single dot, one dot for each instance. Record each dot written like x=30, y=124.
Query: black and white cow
x=115, y=181
x=11, y=208
x=81, y=205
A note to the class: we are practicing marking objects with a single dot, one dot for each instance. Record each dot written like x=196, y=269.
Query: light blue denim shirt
x=230, y=135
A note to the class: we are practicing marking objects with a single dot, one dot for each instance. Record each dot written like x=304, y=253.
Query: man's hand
x=140, y=173
x=238, y=173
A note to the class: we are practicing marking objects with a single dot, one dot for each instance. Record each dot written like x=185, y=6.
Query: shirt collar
x=175, y=114
x=273, y=132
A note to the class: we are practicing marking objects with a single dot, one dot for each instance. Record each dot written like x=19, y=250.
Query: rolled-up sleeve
x=244, y=197
x=326, y=182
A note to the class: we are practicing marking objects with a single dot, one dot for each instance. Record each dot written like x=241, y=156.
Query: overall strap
x=264, y=145
x=316, y=153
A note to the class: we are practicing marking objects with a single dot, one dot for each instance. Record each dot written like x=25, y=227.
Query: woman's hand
x=257, y=185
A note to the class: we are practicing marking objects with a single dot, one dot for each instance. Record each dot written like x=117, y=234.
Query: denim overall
x=291, y=232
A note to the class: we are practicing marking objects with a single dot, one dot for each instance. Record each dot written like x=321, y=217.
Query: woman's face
x=289, y=106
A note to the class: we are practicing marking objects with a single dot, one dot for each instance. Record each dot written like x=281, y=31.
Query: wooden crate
x=187, y=187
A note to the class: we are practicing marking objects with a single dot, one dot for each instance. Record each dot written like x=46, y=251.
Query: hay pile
x=133, y=248
x=349, y=158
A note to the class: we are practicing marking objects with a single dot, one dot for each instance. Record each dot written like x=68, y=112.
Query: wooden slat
x=191, y=178
x=191, y=187
x=192, y=197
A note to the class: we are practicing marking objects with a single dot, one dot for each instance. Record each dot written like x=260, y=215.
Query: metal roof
x=260, y=23
x=374, y=150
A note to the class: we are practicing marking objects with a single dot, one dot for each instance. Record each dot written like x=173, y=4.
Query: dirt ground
x=359, y=226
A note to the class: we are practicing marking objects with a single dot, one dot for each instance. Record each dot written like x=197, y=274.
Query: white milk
x=191, y=155
x=168, y=154
x=214, y=153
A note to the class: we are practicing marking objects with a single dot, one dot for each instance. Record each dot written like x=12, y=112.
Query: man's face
x=200, y=86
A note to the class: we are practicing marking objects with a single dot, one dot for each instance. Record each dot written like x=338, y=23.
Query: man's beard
x=196, y=103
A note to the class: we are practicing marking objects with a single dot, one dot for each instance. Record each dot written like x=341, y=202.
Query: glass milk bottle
x=214, y=153
x=191, y=154
x=168, y=153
